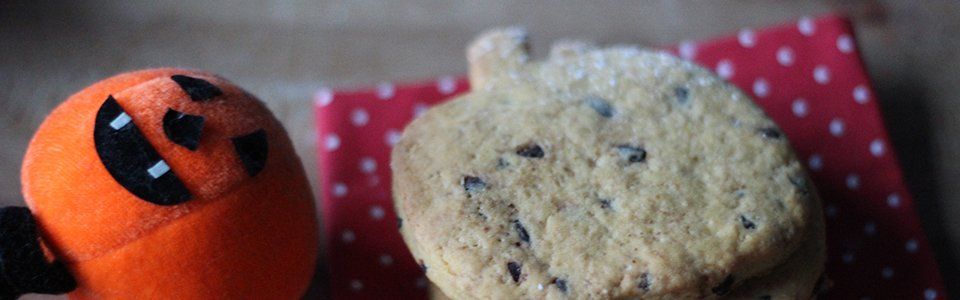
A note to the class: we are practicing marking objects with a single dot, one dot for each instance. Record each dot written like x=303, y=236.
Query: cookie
x=800, y=277
x=598, y=173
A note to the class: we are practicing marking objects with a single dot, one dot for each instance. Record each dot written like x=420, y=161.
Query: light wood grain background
x=283, y=50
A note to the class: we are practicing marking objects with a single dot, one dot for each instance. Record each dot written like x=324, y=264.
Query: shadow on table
x=907, y=117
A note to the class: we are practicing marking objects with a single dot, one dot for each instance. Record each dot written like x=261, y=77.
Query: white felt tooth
x=158, y=169
x=120, y=121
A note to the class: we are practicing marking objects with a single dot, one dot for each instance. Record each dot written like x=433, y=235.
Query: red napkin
x=806, y=75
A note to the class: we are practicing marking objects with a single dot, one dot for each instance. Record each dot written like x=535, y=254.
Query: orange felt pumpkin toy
x=171, y=184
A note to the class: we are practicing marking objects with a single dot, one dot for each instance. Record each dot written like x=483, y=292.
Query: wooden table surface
x=283, y=50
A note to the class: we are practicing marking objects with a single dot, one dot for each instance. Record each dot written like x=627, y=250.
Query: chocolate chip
x=197, y=88
x=682, y=94
x=800, y=183
x=514, y=269
x=183, y=129
x=747, y=223
x=644, y=282
x=724, y=287
x=769, y=133
x=632, y=154
x=521, y=231
x=561, y=284
x=502, y=163
x=530, y=150
x=252, y=150
x=822, y=284
x=423, y=267
x=605, y=203
x=473, y=185
x=601, y=106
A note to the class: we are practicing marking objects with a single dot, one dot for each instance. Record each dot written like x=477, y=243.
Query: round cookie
x=599, y=173
x=801, y=277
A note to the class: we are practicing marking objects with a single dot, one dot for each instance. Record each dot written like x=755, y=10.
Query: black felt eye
x=183, y=129
x=252, y=150
x=131, y=160
x=198, y=89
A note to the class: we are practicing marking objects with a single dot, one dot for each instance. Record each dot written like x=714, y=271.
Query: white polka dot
x=331, y=141
x=339, y=189
x=815, y=162
x=930, y=294
x=876, y=147
x=385, y=90
x=785, y=56
x=893, y=200
x=911, y=246
x=831, y=211
x=421, y=282
x=870, y=228
x=747, y=38
x=836, y=127
x=392, y=137
x=821, y=74
x=446, y=85
x=861, y=94
x=368, y=165
x=886, y=272
x=688, y=49
x=761, y=87
x=725, y=69
x=799, y=107
x=806, y=26
x=419, y=109
x=323, y=97
x=359, y=117
x=348, y=236
x=853, y=181
x=847, y=258
x=845, y=43
x=386, y=260
x=377, y=212
x=356, y=285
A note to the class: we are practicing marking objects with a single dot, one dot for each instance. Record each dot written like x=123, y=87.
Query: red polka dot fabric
x=807, y=75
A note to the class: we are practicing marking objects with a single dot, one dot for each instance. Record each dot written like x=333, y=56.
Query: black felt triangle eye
x=183, y=129
x=198, y=89
x=252, y=150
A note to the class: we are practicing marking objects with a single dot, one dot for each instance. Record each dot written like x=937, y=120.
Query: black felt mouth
x=132, y=160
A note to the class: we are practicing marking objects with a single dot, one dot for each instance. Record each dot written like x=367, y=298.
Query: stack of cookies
x=604, y=173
